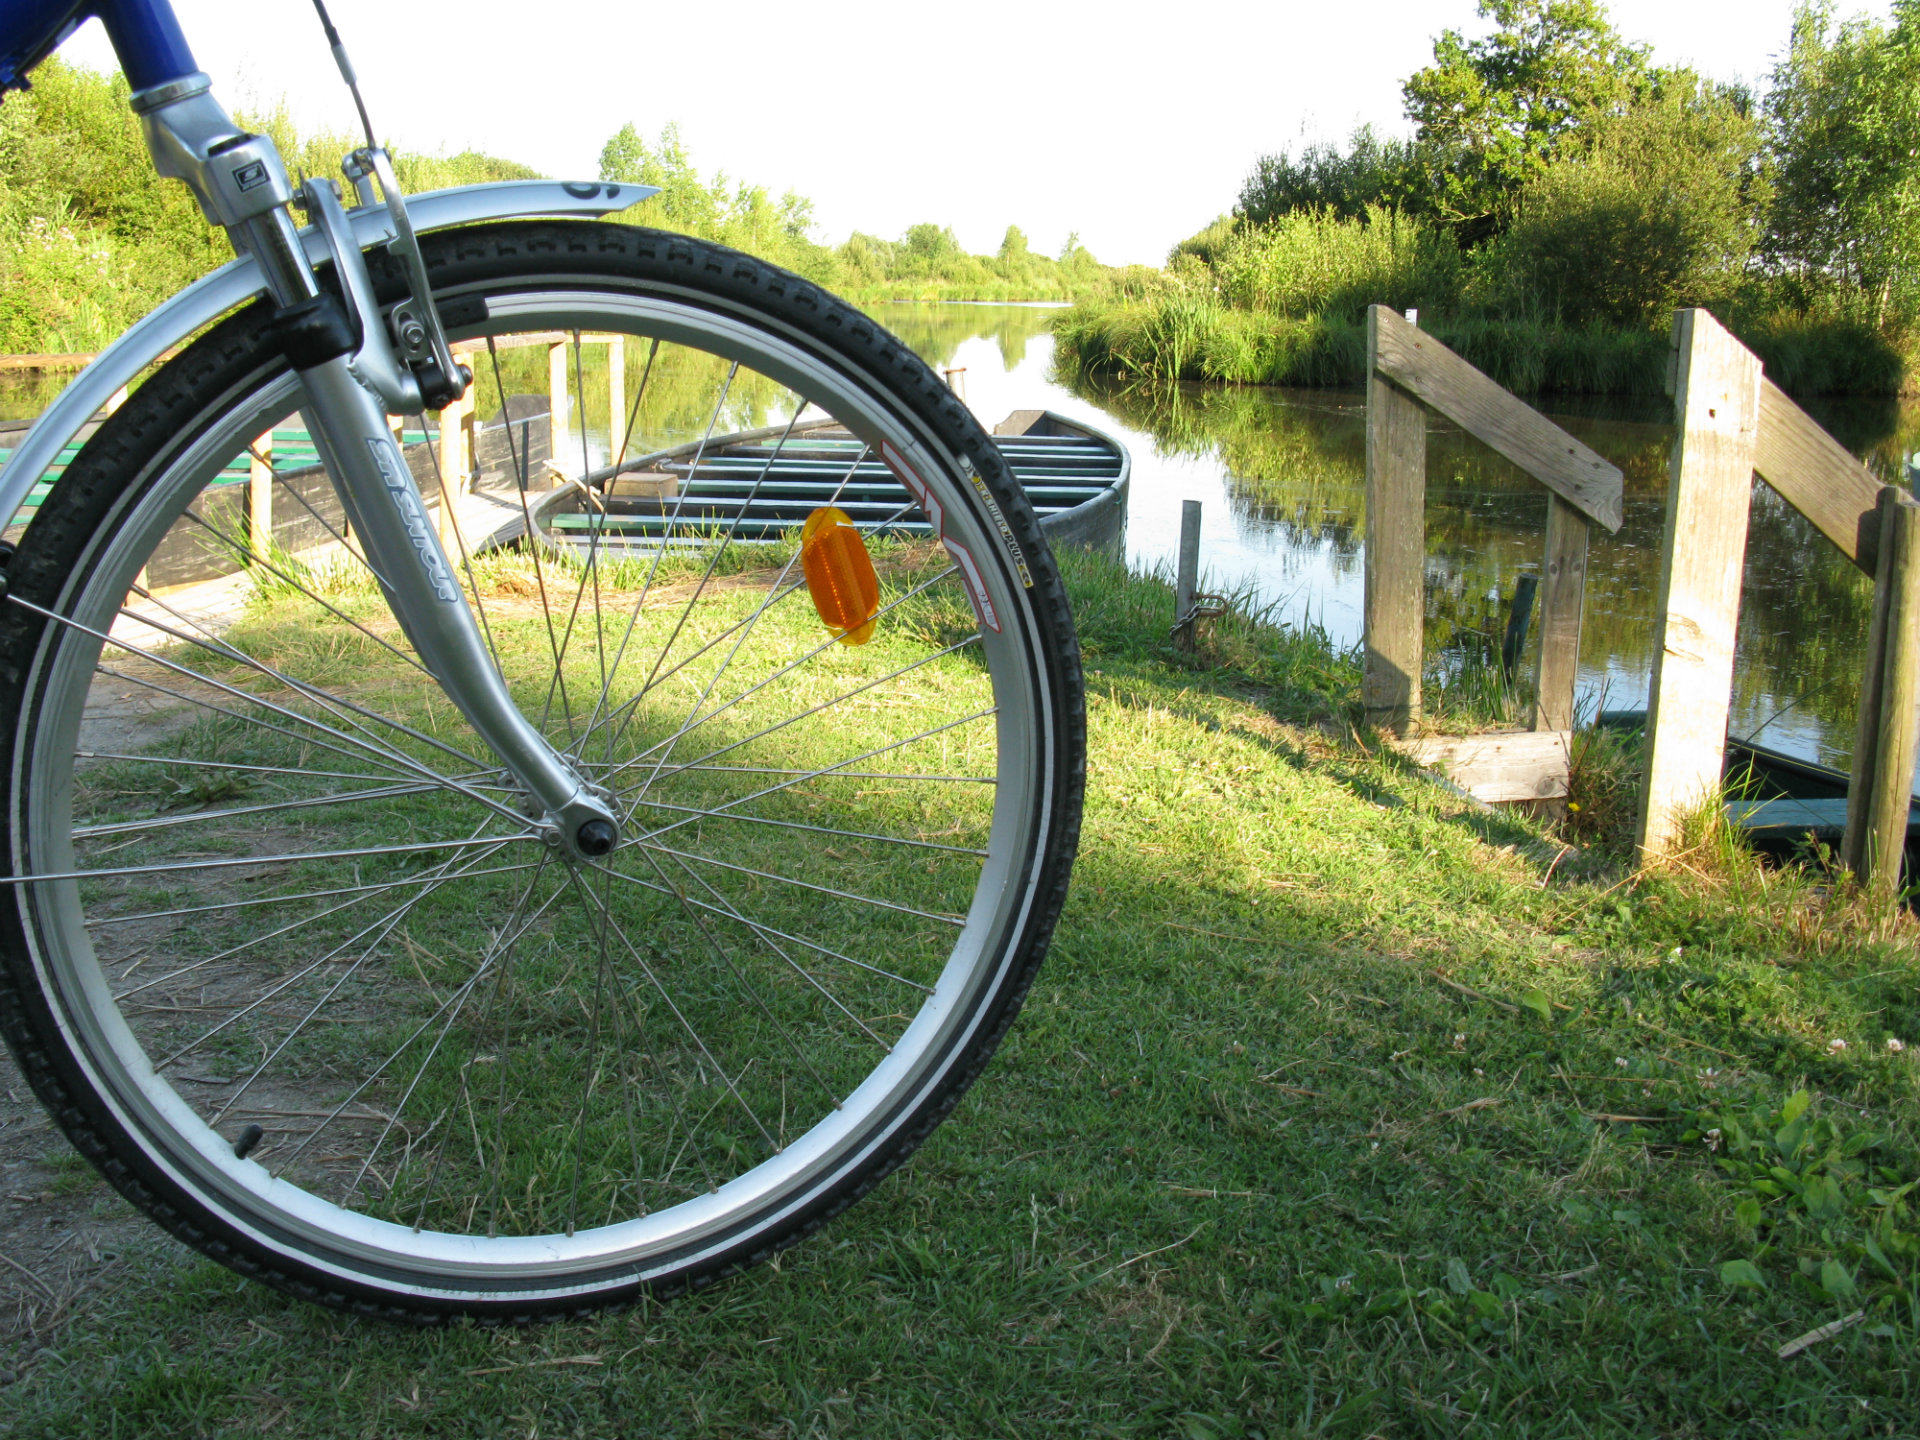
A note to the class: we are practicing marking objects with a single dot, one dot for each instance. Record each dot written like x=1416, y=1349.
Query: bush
x=1658, y=211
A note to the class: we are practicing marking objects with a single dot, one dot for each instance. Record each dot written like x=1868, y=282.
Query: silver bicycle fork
x=354, y=376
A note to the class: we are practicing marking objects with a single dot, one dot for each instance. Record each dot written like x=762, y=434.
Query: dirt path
x=63, y=1231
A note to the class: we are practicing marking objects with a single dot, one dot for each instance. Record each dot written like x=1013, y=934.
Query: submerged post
x=1396, y=545
x=1561, y=602
x=1879, y=791
x=1513, y=643
x=1186, y=576
x=1716, y=405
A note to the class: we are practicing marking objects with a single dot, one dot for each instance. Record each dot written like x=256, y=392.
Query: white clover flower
x=1835, y=1046
x=1894, y=1045
x=1620, y=1062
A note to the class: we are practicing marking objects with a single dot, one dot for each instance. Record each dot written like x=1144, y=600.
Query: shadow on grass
x=1325, y=1117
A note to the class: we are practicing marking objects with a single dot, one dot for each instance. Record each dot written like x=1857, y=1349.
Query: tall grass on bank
x=1285, y=304
x=1178, y=336
x=1340, y=1108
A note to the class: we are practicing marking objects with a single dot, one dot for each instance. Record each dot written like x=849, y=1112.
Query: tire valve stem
x=249, y=1138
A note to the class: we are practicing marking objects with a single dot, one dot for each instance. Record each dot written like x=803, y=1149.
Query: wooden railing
x=1734, y=423
x=1408, y=374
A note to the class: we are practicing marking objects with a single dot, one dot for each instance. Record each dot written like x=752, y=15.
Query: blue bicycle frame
x=145, y=36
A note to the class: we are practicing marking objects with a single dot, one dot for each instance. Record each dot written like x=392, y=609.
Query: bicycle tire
x=189, y=977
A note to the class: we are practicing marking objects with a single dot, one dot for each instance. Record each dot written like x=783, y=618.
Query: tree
x=930, y=242
x=1369, y=172
x=1013, y=247
x=1843, y=116
x=1656, y=207
x=1493, y=112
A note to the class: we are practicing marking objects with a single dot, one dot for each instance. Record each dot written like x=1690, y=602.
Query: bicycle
x=432, y=931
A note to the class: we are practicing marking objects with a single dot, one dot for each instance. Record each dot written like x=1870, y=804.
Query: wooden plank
x=1891, y=796
x=260, y=496
x=1562, y=600
x=1019, y=422
x=557, y=408
x=1505, y=766
x=617, y=397
x=464, y=349
x=1703, y=546
x=1855, y=844
x=1417, y=362
x=1396, y=548
x=1814, y=473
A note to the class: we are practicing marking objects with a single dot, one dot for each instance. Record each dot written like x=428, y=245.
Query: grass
x=1174, y=335
x=1341, y=1108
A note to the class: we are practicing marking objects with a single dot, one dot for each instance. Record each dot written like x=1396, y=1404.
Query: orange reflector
x=840, y=575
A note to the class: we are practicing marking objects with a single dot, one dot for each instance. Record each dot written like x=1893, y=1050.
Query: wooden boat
x=1779, y=800
x=757, y=485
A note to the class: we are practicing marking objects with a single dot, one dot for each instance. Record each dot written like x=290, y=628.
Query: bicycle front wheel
x=285, y=953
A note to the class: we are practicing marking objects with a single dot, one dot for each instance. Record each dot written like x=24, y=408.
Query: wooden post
x=260, y=496
x=616, y=399
x=1186, y=576
x=1396, y=546
x=1880, y=788
x=1563, y=594
x=1703, y=547
x=456, y=464
x=558, y=444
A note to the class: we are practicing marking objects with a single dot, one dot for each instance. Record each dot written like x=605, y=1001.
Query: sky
x=1126, y=124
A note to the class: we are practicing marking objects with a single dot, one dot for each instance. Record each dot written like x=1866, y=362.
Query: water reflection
x=1281, y=475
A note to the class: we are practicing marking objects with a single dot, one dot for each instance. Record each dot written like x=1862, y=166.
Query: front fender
x=234, y=284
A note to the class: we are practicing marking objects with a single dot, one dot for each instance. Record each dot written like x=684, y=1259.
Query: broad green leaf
x=1747, y=1212
x=1458, y=1280
x=1879, y=1257
x=1795, y=1107
x=1822, y=1197
x=1835, y=1280
x=1536, y=1000
x=1741, y=1273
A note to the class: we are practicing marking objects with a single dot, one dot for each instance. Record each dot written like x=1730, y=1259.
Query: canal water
x=1280, y=474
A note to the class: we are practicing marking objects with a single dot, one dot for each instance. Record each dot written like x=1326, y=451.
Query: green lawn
x=1310, y=1126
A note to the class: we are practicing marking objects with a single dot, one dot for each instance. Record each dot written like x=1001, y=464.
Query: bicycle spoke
x=523, y=465
x=778, y=934
x=815, y=829
x=221, y=862
x=387, y=924
x=203, y=817
x=684, y=855
x=338, y=706
x=122, y=759
x=293, y=582
x=280, y=900
x=780, y=725
x=733, y=912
